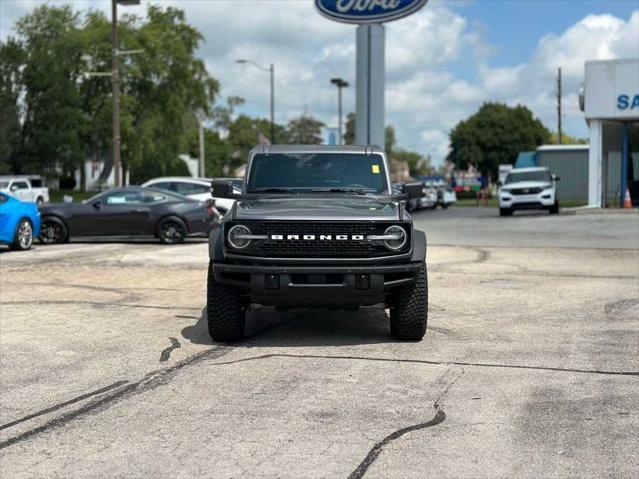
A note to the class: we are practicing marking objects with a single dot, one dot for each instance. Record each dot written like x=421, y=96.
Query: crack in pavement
x=436, y=363
x=373, y=454
x=149, y=382
x=166, y=352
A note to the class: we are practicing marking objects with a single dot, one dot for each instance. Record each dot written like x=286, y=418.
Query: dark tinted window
x=165, y=186
x=190, y=188
x=318, y=171
x=20, y=185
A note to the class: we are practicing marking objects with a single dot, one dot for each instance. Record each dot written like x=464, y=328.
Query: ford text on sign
x=368, y=11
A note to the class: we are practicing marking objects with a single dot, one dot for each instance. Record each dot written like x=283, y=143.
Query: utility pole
x=559, y=133
x=115, y=81
x=272, y=69
x=340, y=84
x=202, y=172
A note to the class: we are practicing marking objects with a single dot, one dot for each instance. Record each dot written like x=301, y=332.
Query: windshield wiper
x=338, y=190
x=273, y=190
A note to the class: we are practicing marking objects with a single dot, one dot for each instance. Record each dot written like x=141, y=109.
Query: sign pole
x=370, y=83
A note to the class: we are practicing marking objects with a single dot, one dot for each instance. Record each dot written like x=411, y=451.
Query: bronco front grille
x=301, y=248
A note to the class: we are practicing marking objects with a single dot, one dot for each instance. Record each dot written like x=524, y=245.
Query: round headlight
x=235, y=236
x=399, y=233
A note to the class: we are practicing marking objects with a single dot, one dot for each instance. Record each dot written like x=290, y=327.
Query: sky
x=442, y=63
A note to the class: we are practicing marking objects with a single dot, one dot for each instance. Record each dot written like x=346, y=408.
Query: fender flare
x=419, y=246
x=216, y=237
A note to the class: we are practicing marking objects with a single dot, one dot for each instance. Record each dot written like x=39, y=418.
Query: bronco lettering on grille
x=298, y=237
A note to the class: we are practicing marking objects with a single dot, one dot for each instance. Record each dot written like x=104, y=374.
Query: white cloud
x=426, y=94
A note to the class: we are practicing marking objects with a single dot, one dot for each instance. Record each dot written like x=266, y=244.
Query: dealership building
x=610, y=101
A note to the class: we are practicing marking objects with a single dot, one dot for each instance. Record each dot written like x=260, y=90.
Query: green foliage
x=417, y=164
x=566, y=139
x=349, y=132
x=495, y=135
x=67, y=116
x=304, y=130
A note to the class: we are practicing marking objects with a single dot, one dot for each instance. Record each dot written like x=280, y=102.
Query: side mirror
x=555, y=178
x=14, y=187
x=221, y=189
x=500, y=183
x=97, y=205
x=414, y=190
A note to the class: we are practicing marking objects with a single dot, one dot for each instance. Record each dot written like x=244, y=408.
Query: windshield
x=541, y=175
x=318, y=172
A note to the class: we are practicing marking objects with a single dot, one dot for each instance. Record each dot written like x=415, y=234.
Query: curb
x=599, y=211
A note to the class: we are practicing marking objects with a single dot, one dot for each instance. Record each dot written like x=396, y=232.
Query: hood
x=318, y=207
x=527, y=184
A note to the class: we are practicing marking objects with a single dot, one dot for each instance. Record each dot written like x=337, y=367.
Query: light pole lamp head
x=241, y=61
x=128, y=2
x=340, y=83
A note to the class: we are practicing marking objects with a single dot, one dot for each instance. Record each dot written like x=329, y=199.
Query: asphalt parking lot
x=529, y=368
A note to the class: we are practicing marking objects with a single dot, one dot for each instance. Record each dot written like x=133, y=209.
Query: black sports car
x=128, y=211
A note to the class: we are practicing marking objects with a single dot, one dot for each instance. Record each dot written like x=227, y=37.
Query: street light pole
x=272, y=104
x=340, y=84
x=271, y=70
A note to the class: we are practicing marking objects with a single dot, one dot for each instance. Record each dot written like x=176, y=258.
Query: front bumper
x=317, y=286
x=543, y=200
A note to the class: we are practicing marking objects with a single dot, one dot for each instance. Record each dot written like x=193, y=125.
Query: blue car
x=19, y=222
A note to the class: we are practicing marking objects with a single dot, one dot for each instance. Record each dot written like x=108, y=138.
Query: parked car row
x=431, y=194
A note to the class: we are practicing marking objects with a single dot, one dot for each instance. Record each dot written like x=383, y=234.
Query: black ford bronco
x=316, y=227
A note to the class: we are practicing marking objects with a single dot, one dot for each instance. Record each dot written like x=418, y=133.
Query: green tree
x=566, y=139
x=65, y=117
x=349, y=132
x=44, y=68
x=390, y=142
x=495, y=135
x=305, y=130
x=417, y=164
x=11, y=58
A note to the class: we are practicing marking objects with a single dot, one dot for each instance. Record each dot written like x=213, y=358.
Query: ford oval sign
x=367, y=11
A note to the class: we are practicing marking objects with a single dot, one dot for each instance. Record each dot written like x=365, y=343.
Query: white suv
x=528, y=189
x=197, y=188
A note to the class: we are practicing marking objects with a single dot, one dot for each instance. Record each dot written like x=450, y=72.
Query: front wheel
x=23, y=239
x=554, y=209
x=505, y=212
x=225, y=310
x=53, y=231
x=171, y=231
x=409, y=309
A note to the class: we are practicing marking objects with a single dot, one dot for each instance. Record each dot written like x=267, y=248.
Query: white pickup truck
x=24, y=189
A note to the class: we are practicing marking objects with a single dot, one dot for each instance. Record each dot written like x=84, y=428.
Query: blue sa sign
x=367, y=11
x=628, y=102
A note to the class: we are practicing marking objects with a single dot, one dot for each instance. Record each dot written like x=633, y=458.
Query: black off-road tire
x=505, y=212
x=409, y=310
x=225, y=310
x=554, y=209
